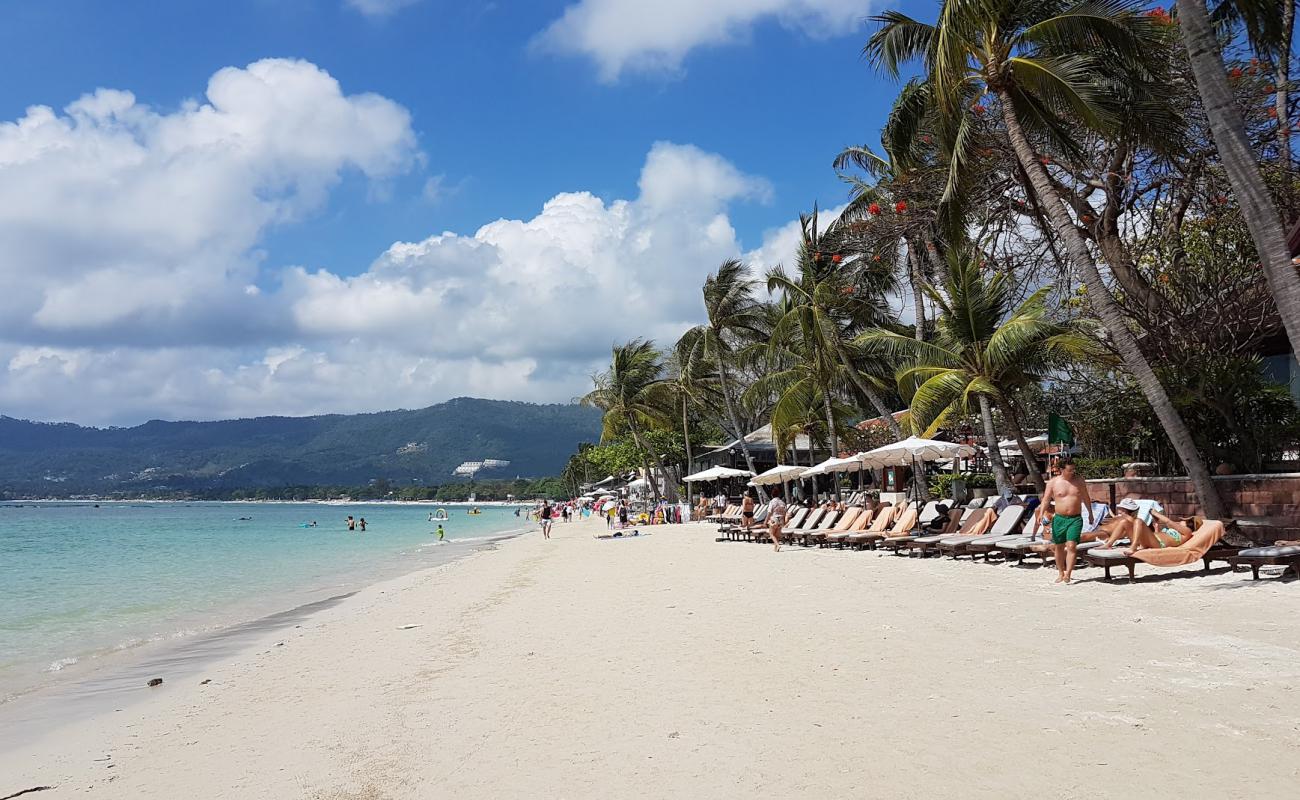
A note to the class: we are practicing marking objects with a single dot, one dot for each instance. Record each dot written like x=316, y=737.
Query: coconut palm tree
x=691, y=380
x=985, y=348
x=827, y=301
x=1046, y=67
x=735, y=319
x=1268, y=25
x=634, y=397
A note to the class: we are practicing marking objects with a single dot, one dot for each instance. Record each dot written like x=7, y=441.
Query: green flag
x=1058, y=431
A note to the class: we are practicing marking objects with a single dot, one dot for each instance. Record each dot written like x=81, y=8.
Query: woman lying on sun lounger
x=1166, y=532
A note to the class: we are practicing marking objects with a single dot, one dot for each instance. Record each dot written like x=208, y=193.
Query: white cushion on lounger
x=1018, y=543
x=1270, y=552
x=1103, y=552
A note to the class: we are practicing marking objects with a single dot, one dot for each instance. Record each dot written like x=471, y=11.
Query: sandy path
x=672, y=665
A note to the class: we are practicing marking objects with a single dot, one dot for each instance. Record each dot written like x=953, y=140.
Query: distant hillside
x=339, y=449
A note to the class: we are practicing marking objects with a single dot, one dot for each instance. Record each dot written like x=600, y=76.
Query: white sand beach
x=673, y=665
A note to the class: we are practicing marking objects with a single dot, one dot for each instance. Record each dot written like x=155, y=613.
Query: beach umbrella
x=913, y=450
x=717, y=474
x=778, y=474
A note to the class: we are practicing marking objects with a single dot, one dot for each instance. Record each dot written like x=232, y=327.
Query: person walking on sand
x=1063, y=501
x=545, y=515
x=775, y=520
x=747, y=509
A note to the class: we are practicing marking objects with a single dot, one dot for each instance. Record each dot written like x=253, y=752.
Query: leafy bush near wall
x=941, y=485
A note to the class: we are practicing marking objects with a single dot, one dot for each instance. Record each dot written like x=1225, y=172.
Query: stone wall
x=1266, y=507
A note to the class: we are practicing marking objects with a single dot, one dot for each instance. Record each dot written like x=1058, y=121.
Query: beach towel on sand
x=1189, y=552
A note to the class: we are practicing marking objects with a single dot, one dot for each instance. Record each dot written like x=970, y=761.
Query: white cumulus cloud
x=621, y=35
x=121, y=223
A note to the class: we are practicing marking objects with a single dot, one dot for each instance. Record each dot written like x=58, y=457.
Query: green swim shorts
x=1066, y=529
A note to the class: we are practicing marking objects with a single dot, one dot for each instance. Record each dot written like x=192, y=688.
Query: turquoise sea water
x=81, y=583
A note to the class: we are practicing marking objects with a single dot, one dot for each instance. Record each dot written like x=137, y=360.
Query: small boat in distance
x=474, y=512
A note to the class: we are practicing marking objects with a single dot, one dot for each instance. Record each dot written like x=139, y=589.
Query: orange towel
x=1189, y=552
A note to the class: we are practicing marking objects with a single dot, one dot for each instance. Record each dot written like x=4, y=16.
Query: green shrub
x=941, y=485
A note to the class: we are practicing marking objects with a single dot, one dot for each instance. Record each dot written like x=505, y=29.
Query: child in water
x=441, y=533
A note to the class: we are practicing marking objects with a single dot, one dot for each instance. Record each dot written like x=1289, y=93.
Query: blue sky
x=502, y=117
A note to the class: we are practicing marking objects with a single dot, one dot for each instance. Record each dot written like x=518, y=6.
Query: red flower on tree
x=874, y=208
x=837, y=258
x=900, y=206
x=1160, y=15
x=1235, y=73
x=978, y=108
x=1272, y=113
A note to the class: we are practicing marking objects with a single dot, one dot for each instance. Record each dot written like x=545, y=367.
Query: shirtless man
x=1069, y=492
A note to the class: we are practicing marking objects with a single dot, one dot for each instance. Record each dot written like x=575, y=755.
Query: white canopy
x=717, y=473
x=778, y=474
x=1036, y=443
x=912, y=449
x=849, y=464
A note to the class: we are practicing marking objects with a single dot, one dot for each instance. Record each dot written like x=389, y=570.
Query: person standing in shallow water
x=362, y=524
x=352, y=524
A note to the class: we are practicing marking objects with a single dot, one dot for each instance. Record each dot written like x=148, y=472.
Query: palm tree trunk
x=917, y=279
x=735, y=419
x=658, y=462
x=686, y=434
x=1282, y=80
x=991, y=441
x=1031, y=463
x=1111, y=316
x=1239, y=162
x=832, y=436
x=867, y=390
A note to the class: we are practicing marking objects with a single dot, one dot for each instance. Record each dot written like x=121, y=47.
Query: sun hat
x=1128, y=504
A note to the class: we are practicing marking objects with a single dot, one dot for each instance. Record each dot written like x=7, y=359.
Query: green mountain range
x=401, y=447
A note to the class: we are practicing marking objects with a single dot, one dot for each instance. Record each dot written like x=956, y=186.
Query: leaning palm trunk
x=1111, y=316
x=995, y=453
x=1239, y=162
x=686, y=434
x=1031, y=463
x=917, y=279
x=870, y=393
x=735, y=419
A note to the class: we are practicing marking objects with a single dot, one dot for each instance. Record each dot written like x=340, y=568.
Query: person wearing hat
x=1062, y=506
x=1122, y=525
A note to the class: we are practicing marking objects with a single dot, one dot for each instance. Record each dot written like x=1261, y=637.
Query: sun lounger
x=846, y=520
x=735, y=532
x=1196, y=548
x=1288, y=556
x=904, y=529
x=1005, y=526
x=802, y=518
x=923, y=543
x=826, y=523
x=881, y=519
x=840, y=535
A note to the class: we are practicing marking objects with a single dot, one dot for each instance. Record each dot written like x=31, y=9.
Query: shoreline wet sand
x=671, y=664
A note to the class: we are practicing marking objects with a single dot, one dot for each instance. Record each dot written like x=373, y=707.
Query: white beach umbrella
x=717, y=474
x=778, y=474
x=914, y=448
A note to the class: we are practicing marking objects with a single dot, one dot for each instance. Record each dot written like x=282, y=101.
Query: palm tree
x=985, y=348
x=1040, y=64
x=735, y=318
x=633, y=395
x=691, y=380
x=1268, y=25
x=827, y=302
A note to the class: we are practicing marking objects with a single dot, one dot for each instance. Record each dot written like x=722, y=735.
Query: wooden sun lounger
x=840, y=537
x=846, y=519
x=826, y=523
x=1288, y=556
x=879, y=528
x=1201, y=546
x=1003, y=526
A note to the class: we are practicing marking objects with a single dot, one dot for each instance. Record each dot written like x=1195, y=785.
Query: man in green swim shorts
x=1063, y=500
